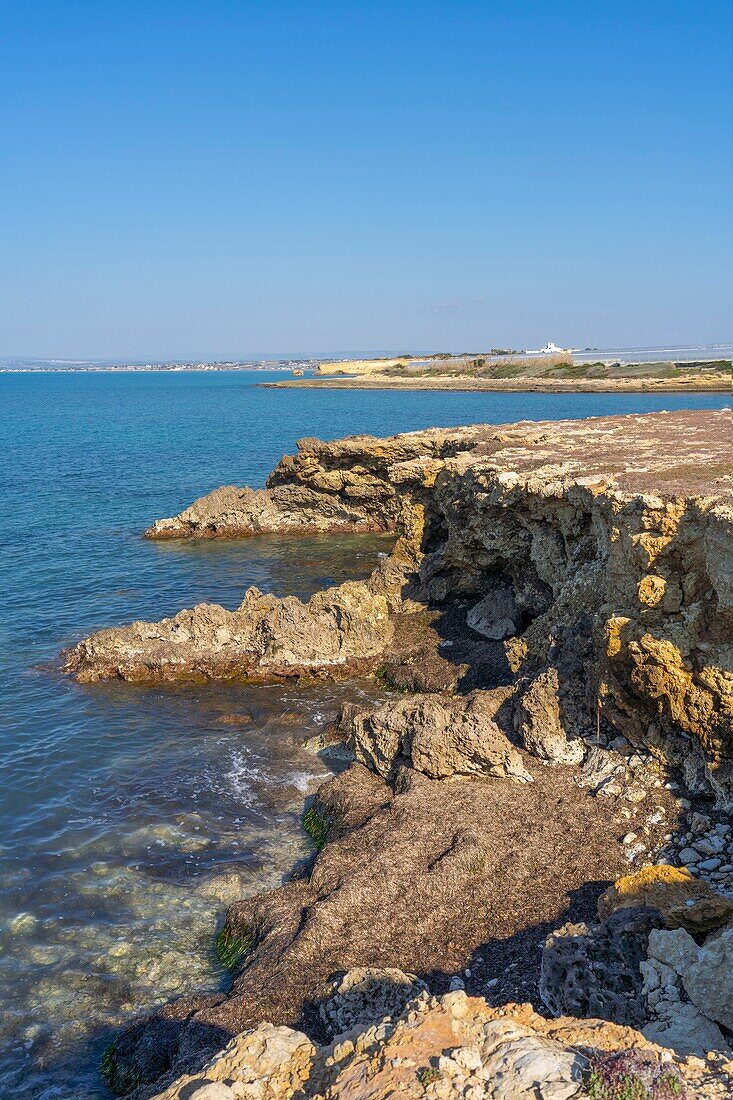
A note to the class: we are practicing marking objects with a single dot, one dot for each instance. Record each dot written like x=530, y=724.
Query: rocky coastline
x=554, y=626
x=702, y=382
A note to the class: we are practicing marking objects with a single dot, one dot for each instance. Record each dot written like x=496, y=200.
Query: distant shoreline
x=689, y=384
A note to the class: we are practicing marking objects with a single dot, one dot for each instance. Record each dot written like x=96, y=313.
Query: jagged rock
x=595, y=970
x=347, y=485
x=267, y=1063
x=339, y=628
x=516, y=1063
x=708, y=978
x=496, y=615
x=441, y=737
x=621, y=569
x=365, y=995
x=539, y=722
x=674, y=1021
x=683, y=900
x=449, y=1048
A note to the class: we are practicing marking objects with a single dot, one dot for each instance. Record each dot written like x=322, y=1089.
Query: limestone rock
x=683, y=900
x=267, y=1063
x=496, y=615
x=365, y=995
x=265, y=635
x=708, y=980
x=440, y=736
x=444, y=1048
x=540, y=725
x=595, y=970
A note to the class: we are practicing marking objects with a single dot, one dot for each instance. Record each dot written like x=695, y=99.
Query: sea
x=130, y=816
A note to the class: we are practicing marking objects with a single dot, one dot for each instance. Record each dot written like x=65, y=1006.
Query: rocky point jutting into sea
x=555, y=621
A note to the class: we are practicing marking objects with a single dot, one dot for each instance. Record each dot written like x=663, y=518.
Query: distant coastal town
x=495, y=363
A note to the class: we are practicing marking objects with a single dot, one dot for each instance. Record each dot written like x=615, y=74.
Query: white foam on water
x=302, y=781
x=239, y=777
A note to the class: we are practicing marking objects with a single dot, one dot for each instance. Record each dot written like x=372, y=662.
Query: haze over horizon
x=189, y=182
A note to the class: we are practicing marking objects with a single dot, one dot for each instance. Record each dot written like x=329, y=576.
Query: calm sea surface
x=125, y=813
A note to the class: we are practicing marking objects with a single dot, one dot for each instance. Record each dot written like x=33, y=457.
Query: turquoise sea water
x=121, y=807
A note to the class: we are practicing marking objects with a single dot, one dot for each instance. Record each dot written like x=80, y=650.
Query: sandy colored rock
x=614, y=535
x=683, y=900
x=266, y=1063
x=442, y=1048
x=595, y=970
x=346, y=485
x=440, y=736
x=540, y=725
x=344, y=627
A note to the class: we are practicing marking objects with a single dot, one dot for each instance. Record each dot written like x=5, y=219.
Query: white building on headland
x=548, y=349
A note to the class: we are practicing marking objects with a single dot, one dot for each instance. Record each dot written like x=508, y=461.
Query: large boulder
x=440, y=736
x=539, y=722
x=595, y=970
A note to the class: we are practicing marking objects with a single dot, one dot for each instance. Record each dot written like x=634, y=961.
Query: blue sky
x=221, y=179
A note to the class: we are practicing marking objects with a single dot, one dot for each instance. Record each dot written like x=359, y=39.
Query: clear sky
x=210, y=179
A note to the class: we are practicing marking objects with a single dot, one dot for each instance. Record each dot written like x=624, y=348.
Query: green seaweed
x=119, y=1079
x=317, y=826
x=232, y=948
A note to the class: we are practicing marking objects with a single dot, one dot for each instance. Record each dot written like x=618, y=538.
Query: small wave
x=303, y=780
x=239, y=777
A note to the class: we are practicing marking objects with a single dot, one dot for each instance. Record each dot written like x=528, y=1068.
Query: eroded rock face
x=271, y=1063
x=342, y=486
x=341, y=627
x=445, y=1048
x=595, y=970
x=440, y=736
x=613, y=537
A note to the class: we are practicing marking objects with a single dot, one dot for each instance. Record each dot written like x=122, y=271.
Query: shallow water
x=120, y=805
